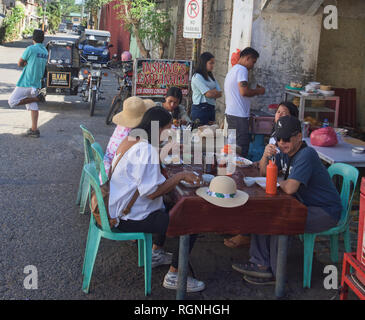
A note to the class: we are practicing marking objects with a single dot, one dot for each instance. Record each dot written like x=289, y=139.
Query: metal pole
x=44, y=15
x=281, y=266
x=183, y=266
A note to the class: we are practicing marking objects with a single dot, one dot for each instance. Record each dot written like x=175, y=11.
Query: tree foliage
x=10, y=27
x=145, y=21
x=68, y=6
x=93, y=6
x=53, y=12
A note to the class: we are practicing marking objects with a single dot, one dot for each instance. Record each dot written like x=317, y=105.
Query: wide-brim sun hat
x=149, y=103
x=222, y=192
x=132, y=113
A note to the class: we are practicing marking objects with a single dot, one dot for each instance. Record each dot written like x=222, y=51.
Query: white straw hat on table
x=223, y=192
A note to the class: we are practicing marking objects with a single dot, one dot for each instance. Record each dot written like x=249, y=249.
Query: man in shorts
x=26, y=92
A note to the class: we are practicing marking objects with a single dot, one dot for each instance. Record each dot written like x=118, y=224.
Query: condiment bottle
x=271, y=177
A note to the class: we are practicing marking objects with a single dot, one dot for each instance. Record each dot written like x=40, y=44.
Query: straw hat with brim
x=149, y=103
x=132, y=113
x=223, y=192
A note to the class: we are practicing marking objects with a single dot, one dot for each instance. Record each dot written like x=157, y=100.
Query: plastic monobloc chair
x=349, y=176
x=83, y=192
x=96, y=233
x=99, y=161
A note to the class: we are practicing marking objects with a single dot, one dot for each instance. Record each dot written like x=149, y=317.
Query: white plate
x=261, y=181
x=358, y=150
x=243, y=162
x=189, y=185
x=326, y=93
x=170, y=160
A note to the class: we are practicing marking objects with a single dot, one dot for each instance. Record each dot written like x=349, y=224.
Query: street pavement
x=41, y=225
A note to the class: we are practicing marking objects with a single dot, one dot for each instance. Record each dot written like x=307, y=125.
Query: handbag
x=105, y=191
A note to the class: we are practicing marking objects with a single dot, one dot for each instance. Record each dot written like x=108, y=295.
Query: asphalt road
x=41, y=226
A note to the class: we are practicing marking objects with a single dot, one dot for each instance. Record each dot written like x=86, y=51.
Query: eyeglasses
x=284, y=139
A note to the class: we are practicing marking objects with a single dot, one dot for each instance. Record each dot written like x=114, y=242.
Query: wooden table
x=280, y=214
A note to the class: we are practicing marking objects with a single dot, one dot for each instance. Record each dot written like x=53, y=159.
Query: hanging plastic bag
x=324, y=137
x=235, y=57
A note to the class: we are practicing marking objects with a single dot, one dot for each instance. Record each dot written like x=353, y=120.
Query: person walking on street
x=205, y=90
x=26, y=92
x=238, y=94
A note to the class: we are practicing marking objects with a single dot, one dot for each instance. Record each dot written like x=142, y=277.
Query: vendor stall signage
x=58, y=79
x=193, y=19
x=152, y=78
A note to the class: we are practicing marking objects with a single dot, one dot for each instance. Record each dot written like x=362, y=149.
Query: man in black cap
x=308, y=180
x=33, y=61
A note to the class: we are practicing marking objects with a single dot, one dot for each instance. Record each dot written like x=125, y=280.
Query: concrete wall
x=341, y=61
x=288, y=44
x=217, y=22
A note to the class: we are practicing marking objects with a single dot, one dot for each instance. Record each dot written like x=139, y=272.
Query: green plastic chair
x=83, y=192
x=349, y=175
x=99, y=161
x=96, y=233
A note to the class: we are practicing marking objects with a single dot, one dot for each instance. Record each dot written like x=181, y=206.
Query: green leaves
x=11, y=23
x=145, y=21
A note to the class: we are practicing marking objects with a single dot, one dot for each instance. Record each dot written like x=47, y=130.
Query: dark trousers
x=242, y=132
x=156, y=223
x=205, y=112
x=264, y=248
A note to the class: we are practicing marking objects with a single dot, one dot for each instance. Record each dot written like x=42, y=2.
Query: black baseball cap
x=286, y=127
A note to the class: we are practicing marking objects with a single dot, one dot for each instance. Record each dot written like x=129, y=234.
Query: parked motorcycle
x=125, y=89
x=90, y=88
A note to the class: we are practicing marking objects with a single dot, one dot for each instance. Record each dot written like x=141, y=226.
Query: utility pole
x=44, y=15
x=82, y=11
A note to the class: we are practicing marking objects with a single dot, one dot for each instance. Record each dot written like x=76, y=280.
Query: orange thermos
x=271, y=177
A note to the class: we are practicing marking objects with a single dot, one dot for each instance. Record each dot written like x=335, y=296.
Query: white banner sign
x=193, y=19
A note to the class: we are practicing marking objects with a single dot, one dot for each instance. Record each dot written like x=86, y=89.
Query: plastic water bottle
x=325, y=123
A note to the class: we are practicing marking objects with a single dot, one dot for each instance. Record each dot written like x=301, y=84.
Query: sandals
x=238, y=241
x=253, y=270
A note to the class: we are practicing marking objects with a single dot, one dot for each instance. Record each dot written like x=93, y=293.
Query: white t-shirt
x=138, y=168
x=236, y=105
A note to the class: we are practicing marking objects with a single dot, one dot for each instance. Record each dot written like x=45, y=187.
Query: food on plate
x=313, y=122
x=325, y=87
x=243, y=162
x=294, y=84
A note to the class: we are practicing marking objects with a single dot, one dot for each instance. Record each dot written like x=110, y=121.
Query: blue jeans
x=205, y=112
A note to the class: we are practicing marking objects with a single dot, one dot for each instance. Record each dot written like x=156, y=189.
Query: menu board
x=153, y=77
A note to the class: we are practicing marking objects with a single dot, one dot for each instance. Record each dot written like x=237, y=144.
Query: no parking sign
x=193, y=19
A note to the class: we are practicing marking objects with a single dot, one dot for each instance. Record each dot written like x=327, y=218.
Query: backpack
x=105, y=191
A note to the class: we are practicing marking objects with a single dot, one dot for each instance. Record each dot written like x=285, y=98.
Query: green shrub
x=11, y=23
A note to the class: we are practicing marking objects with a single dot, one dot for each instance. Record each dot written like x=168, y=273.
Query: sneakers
x=41, y=96
x=193, y=285
x=253, y=270
x=32, y=134
x=259, y=281
x=160, y=257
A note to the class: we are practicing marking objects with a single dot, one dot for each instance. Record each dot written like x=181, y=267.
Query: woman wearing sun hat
x=133, y=111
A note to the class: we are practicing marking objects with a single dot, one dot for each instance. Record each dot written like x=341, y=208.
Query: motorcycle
x=90, y=88
x=125, y=89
